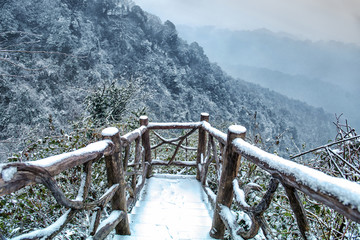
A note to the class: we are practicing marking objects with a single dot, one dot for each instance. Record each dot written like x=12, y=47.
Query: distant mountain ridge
x=323, y=74
x=279, y=52
x=312, y=91
x=104, y=40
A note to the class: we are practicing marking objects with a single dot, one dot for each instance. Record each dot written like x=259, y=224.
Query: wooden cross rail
x=129, y=163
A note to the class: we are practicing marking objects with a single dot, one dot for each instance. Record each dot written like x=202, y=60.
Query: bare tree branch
x=324, y=146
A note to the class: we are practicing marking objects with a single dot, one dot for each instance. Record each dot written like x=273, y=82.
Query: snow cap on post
x=237, y=129
x=144, y=120
x=110, y=131
x=143, y=117
x=204, y=117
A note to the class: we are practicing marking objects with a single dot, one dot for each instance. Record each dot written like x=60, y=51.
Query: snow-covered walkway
x=171, y=207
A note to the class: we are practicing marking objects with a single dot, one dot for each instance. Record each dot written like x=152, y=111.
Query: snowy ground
x=171, y=207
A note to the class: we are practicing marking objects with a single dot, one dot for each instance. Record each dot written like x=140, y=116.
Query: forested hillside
x=55, y=53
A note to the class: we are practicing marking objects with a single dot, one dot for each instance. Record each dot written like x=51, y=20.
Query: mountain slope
x=315, y=92
x=93, y=42
x=322, y=74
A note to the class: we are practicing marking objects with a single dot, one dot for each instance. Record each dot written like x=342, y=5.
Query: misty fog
x=322, y=74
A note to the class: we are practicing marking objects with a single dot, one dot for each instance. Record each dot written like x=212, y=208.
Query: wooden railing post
x=145, y=139
x=298, y=210
x=201, y=144
x=115, y=175
x=230, y=169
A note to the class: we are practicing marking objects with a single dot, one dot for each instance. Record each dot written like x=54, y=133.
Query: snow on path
x=171, y=207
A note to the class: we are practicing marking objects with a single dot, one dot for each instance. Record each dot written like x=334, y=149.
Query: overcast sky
x=310, y=19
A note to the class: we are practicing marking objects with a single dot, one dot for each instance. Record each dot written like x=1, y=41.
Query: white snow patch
x=213, y=231
x=219, y=173
x=92, y=222
x=338, y=151
x=112, y=218
x=345, y=191
x=310, y=236
x=138, y=132
x=45, y=232
x=8, y=173
x=214, y=132
x=80, y=195
x=239, y=194
x=225, y=212
x=109, y=190
x=143, y=117
x=254, y=185
x=110, y=131
x=200, y=167
x=243, y=216
x=139, y=182
x=91, y=148
x=211, y=194
x=176, y=196
x=230, y=218
x=237, y=129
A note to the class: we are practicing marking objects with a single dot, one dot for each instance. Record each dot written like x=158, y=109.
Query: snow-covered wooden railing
x=337, y=193
x=136, y=165
x=137, y=160
x=14, y=176
x=130, y=157
x=177, y=142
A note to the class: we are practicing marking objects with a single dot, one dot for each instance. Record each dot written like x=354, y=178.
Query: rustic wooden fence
x=130, y=156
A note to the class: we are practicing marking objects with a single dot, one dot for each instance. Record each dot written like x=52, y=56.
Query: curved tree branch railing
x=129, y=163
x=339, y=194
x=14, y=176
